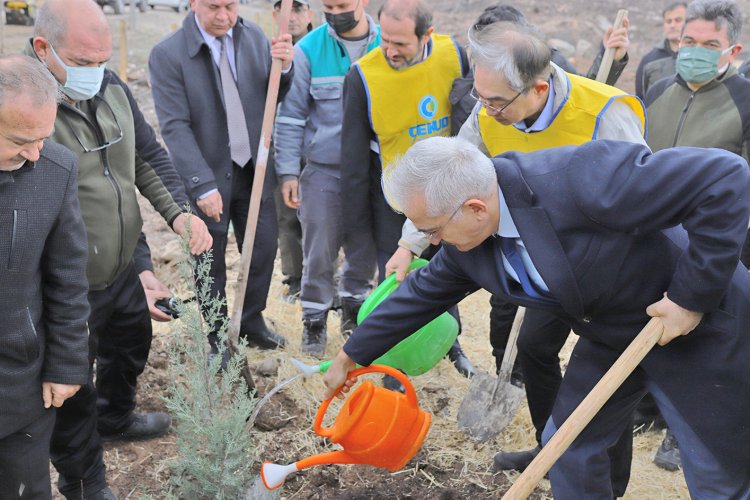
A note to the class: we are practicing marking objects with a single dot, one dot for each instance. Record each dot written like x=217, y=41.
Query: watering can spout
x=274, y=475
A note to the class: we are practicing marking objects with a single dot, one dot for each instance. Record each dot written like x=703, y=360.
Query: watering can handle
x=411, y=395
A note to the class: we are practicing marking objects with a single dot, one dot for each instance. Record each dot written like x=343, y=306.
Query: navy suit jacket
x=611, y=227
x=190, y=105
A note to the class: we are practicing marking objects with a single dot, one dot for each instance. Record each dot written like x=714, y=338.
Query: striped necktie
x=239, y=141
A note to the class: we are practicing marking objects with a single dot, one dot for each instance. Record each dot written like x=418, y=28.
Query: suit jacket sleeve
x=423, y=295
x=64, y=293
x=707, y=191
x=356, y=134
x=170, y=100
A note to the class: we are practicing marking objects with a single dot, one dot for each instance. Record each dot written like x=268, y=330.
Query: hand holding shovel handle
x=269, y=114
x=579, y=419
x=609, y=54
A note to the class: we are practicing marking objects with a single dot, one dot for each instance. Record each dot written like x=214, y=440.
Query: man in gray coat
x=43, y=340
x=209, y=81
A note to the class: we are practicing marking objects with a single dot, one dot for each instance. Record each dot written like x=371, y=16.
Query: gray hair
x=721, y=12
x=518, y=52
x=23, y=75
x=50, y=25
x=446, y=170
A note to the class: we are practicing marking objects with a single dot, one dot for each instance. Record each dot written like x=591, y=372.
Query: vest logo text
x=428, y=109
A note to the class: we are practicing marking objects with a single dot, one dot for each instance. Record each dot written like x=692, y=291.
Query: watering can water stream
x=375, y=426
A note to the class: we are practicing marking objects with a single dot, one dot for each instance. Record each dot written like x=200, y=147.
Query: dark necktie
x=508, y=246
x=239, y=141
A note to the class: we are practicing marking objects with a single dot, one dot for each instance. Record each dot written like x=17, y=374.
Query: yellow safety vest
x=576, y=121
x=411, y=104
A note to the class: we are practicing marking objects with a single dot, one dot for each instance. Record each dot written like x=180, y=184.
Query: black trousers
x=264, y=251
x=119, y=338
x=24, y=460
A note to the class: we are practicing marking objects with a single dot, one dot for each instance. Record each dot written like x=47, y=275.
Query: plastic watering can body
x=422, y=350
x=375, y=426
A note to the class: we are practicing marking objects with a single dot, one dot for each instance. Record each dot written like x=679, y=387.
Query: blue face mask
x=82, y=82
x=698, y=64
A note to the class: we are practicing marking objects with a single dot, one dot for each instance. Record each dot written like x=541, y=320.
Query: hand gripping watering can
x=417, y=353
x=375, y=426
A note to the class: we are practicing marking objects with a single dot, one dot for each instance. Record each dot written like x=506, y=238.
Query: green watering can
x=418, y=352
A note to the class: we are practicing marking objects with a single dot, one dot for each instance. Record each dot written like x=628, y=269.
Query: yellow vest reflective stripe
x=576, y=122
x=411, y=104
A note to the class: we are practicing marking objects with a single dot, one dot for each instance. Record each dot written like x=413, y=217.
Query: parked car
x=177, y=5
x=119, y=5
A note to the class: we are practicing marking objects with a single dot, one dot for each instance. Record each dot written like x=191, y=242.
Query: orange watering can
x=375, y=426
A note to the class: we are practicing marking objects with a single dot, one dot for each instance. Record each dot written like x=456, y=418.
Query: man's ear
x=41, y=46
x=478, y=208
x=540, y=86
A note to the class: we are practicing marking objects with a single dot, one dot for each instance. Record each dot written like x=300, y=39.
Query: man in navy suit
x=604, y=235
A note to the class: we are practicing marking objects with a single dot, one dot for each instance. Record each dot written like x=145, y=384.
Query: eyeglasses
x=115, y=138
x=433, y=233
x=484, y=102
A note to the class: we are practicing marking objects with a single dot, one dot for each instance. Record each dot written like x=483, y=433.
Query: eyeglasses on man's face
x=486, y=102
x=432, y=234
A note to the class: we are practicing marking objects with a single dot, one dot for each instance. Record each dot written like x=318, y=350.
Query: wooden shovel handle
x=511, y=349
x=609, y=54
x=579, y=419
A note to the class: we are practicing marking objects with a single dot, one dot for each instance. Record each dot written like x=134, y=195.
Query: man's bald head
x=416, y=10
x=56, y=19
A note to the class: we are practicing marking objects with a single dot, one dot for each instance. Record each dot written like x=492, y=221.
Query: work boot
x=393, y=384
x=668, y=455
x=514, y=460
x=293, y=287
x=144, y=426
x=460, y=361
x=314, y=336
x=349, y=311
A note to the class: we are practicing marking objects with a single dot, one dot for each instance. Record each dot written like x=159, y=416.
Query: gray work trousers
x=320, y=214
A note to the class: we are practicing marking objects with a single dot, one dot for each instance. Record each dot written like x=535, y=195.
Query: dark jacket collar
x=729, y=73
x=194, y=39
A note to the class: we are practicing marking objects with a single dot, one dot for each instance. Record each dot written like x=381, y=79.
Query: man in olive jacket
x=43, y=338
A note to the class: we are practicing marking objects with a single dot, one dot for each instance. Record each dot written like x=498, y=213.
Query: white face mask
x=82, y=82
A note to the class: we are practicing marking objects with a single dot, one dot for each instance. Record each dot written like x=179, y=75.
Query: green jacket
x=108, y=178
x=715, y=116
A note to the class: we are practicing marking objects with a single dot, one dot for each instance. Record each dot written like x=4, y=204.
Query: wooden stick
x=582, y=415
x=123, y=71
x=269, y=114
x=609, y=54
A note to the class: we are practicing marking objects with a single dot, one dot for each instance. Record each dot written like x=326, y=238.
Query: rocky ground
x=449, y=466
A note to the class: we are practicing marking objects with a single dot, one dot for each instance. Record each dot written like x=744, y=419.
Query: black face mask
x=343, y=22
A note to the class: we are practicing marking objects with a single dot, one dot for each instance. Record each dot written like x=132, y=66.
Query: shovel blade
x=488, y=407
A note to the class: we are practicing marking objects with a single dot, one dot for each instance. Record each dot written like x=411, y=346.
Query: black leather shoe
x=668, y=455
x=349, y=312
x=103, y=494
x=264, y=339
x=393, y=384
x=144, y=426
x=460, y=361
x=514, y=460
x=314, y=337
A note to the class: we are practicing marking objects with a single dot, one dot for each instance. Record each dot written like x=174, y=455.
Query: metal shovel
x=491, y=402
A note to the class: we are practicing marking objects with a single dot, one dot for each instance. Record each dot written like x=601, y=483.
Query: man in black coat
x=209, y=81
x=43, y=339
x=604, y=235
